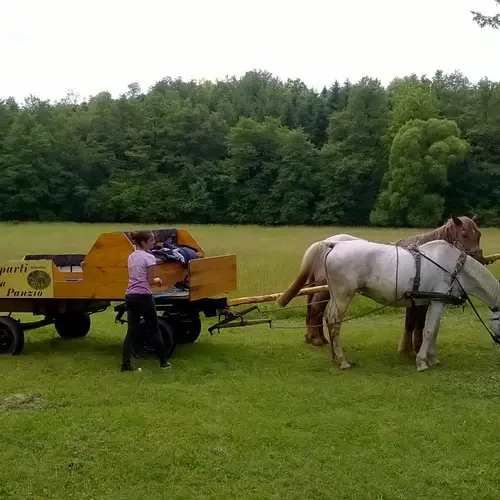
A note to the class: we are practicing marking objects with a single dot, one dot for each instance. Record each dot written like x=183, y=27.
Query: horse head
x=464, y=234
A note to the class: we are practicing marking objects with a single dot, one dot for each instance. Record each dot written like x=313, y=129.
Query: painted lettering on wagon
x=30, y=279
x=22, y=268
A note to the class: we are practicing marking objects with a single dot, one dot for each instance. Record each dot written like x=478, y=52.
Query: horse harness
x=447, y=298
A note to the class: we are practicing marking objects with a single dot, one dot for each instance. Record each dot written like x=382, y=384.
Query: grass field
x=250, y=413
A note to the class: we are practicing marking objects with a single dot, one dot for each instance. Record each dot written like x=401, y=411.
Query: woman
x=139, y=299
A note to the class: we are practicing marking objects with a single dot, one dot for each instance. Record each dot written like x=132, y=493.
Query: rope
x=343, y=321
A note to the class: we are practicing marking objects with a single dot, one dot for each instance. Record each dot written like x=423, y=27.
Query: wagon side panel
x=109, y=250
x=212, y=276
x=184, y=237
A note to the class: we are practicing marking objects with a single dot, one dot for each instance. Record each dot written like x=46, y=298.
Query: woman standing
x=139, y=299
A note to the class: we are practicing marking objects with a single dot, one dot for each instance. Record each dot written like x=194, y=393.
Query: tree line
x=257, y=150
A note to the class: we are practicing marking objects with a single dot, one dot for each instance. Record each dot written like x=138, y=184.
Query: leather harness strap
x=444, y=297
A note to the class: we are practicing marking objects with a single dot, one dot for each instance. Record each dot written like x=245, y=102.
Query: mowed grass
x=254, y=412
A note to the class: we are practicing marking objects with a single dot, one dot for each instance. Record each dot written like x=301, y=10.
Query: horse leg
x=426, y=354
x=321, y=303
x=405, y=344
x=314, y=319
x=309, y=320
x=420, y=315
x=432, y=359
x=337, y=311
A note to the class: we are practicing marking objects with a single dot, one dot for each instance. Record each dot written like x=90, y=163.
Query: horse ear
x=474, y=218
x=458, y=222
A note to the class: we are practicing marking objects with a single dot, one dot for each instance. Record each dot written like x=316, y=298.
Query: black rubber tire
x=11, y=336
x=72, y=325
x=188, y=331
x=145, y=348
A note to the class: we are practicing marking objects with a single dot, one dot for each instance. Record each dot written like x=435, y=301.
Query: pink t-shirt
x=138, y=263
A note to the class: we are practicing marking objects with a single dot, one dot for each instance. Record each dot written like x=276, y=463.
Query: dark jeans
x=141, y=305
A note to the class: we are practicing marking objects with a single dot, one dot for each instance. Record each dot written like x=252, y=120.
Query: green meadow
x=250, y=413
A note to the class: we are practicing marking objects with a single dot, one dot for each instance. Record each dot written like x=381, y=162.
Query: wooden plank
x=274, y=296
x=111, y=283
x=109, y=250
x=184, y=237
x=169, y=273
x=212, y=276
x=489, y=259
x=21, y=305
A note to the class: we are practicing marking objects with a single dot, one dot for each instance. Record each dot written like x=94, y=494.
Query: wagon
x=65, y=290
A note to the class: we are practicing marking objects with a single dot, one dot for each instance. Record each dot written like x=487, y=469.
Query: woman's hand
x=158, y=282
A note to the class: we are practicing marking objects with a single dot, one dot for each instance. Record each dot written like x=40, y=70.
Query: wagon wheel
x=188, y=329
x=145, y=346
x=11, y=336
x=72, y=325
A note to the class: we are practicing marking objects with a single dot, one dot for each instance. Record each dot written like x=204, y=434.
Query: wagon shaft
x=274, y=296
x=489, y=259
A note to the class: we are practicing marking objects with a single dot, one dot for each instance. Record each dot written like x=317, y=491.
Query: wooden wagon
x=67, y=289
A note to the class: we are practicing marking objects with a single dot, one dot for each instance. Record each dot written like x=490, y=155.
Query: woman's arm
x=151, y=273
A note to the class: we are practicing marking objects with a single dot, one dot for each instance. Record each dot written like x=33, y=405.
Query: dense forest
x=258, y=150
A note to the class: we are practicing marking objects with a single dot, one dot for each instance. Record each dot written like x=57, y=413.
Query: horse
x=387, y=275
x=459, y=231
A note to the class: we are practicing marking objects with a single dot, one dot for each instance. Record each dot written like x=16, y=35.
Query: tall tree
x=421, y=155
x=353, y=161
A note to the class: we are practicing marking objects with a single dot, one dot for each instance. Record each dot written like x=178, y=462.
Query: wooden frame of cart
x=67, y=289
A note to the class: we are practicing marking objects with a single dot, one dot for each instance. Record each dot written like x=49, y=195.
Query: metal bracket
x=234, y=320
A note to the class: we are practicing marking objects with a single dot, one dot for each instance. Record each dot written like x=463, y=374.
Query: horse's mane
x=444, y=232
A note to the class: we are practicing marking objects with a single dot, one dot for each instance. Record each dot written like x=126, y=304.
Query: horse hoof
x=344, y=365
x=434, y=362
x=317, y=343
x=422, y=366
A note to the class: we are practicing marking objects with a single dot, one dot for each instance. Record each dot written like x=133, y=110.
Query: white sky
x=51, y=46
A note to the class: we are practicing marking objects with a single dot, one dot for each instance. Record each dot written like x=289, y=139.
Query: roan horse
x=387, y=274
x=461, y=232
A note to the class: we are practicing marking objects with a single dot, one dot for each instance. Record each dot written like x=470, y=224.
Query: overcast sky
x=51, y=46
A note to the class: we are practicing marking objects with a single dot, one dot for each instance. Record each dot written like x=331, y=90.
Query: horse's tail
x=316, y=251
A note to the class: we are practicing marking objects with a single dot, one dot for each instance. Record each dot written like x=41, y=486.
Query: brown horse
x=461, y=232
